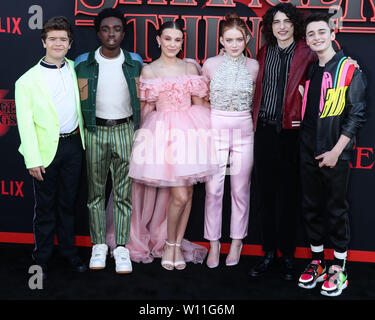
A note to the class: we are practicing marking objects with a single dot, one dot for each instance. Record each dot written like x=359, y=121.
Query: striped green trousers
x=109, y=148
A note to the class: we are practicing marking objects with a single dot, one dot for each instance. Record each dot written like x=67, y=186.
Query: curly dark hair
x=57, y=23
x=291, y=12
x=107, y=13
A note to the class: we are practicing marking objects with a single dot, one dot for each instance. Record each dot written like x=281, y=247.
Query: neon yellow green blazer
x=37, y=120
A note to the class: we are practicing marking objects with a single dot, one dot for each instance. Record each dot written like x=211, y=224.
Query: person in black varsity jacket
x=333, y=111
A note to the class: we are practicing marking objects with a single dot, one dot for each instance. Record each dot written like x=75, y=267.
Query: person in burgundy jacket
x=283, y=62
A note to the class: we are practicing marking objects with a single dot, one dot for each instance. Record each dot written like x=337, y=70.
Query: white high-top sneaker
x=122, y=259
x=98, y=256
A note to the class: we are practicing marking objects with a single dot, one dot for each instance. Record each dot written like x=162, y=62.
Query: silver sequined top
x=232, y=87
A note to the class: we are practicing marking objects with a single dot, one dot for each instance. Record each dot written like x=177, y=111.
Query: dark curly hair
x=107, y=13
x=291, y=12
x=57, y=23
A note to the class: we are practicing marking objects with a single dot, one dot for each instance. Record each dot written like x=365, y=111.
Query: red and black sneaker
x=337, y=280
x=314, y=272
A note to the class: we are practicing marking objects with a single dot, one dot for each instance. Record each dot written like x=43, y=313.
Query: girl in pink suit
x=172, y=149
x=232, y=78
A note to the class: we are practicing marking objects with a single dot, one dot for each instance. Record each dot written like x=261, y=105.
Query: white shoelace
x=121, y=253
x=99, y=250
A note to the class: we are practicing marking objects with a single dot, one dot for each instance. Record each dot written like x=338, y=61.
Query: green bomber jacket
x=87, y=69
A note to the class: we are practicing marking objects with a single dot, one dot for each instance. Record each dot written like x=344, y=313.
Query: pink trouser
x=234, y=137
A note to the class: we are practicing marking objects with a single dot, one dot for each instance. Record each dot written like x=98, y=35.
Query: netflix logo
x=10, y=25
x=11, y=188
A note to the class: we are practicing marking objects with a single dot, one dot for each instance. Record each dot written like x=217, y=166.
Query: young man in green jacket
x=108, y=80
x=51, y=130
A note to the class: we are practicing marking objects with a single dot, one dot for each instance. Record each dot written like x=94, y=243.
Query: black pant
x=277, y=188
x=324, y=197
x=55, y=198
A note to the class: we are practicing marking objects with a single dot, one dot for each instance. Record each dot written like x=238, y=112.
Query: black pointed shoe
x=263, y=265
x=77, y=265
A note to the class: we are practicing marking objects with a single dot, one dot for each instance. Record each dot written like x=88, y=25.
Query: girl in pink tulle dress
x=172, y=151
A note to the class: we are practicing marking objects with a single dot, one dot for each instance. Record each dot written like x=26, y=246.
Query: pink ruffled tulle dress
x=172, y=99
x=148, y=229
x=174, y=145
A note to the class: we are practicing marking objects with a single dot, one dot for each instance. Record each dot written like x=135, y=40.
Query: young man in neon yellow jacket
x=50, y=127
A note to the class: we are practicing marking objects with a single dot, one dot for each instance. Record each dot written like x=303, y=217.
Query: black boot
x=76, y=264
x=287, y=268
x=263, y=265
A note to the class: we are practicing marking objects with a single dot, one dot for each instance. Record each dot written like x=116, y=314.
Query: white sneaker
x=122, y=259
x=98, y=256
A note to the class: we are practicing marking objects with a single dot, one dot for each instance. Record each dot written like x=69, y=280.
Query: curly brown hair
x=292, y=13
x=57, y=23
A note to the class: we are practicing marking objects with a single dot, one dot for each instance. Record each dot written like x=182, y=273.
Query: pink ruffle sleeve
x=148, y=91
x=198, y=86
x=148, y=94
